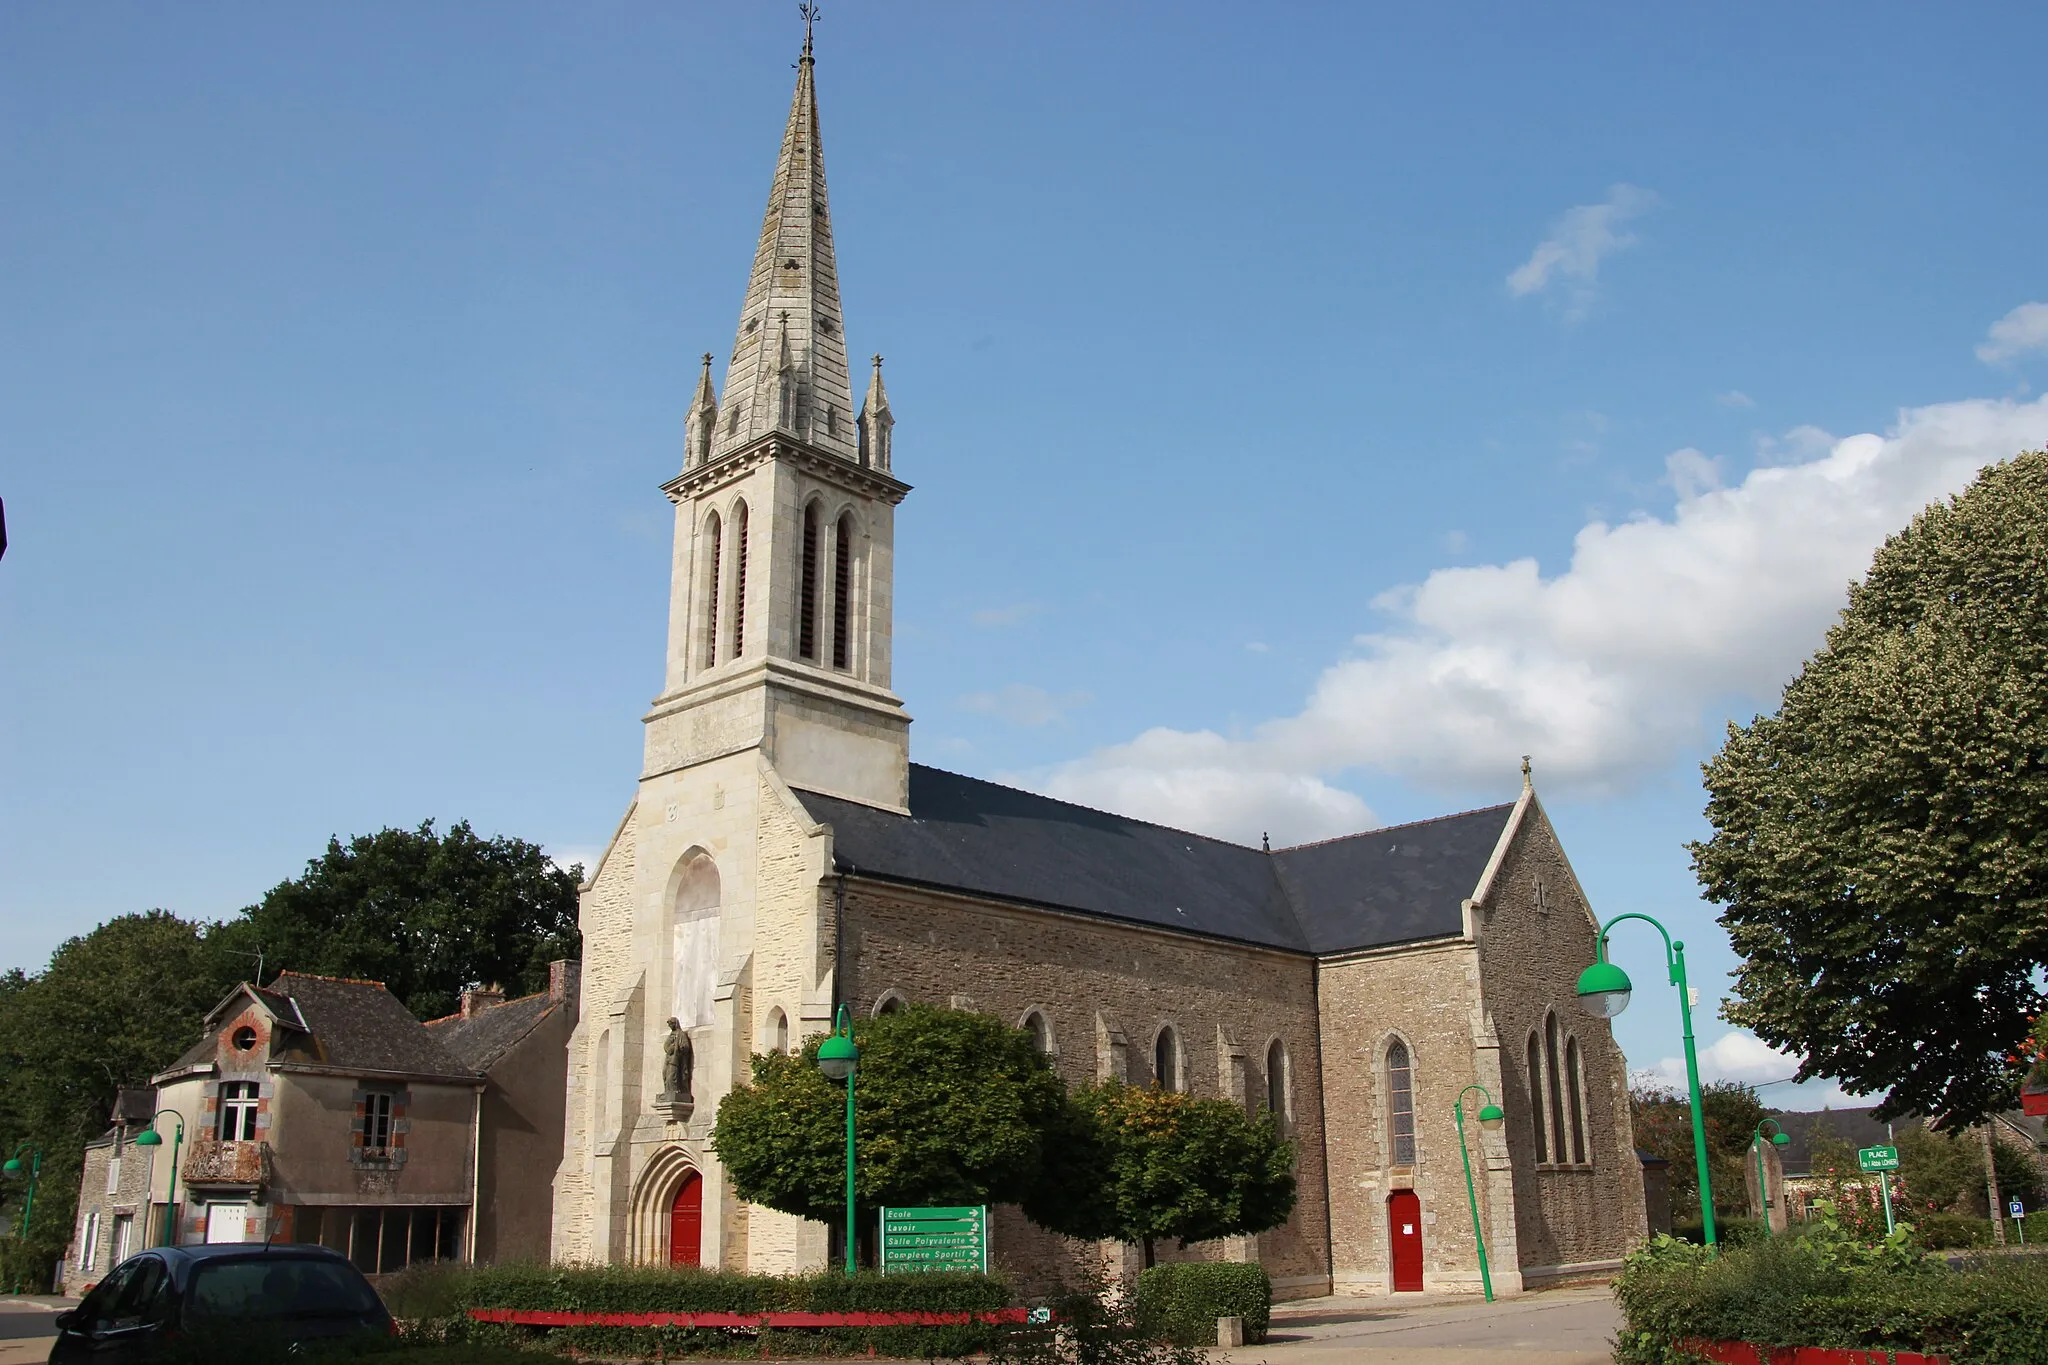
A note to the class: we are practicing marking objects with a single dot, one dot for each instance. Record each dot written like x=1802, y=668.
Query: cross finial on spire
x=1527, y=781
x=809, y=10
x=878, y=360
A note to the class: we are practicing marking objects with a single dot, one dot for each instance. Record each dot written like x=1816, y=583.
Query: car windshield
x=277, y=1287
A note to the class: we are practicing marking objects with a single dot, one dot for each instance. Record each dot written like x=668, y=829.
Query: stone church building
x=783, y=854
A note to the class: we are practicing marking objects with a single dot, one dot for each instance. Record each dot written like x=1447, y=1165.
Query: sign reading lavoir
x=919, y=1240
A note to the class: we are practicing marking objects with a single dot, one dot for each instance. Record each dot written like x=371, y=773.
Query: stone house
x=782, y=855
x=320, y=1110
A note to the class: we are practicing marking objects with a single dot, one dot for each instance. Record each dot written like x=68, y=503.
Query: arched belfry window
x=714, y=564
x=1536, y=1100
x=1166, y=1059
x=739, y=581
x=1553, y=1077
x=1573, y=1090
x=1276, y=1083
x=842, y=593
x=1400, y=1104
x=807, y=588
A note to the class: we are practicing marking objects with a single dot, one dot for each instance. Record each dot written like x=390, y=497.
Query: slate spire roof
x=1402, y=884
x=788, y=367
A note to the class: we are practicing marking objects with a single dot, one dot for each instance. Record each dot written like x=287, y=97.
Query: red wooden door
x=686, y=1223
x=1404, y=1230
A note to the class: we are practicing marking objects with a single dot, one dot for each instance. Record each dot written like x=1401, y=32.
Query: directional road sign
x=917, y=1240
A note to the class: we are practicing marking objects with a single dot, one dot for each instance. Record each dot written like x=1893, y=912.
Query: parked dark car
x=251, y=1296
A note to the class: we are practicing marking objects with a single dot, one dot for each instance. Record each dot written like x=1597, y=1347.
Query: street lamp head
x=148, y=1138
x=13, y=1166
x=1604, y=990
x=1781, y=1138
x=1491, y=1118
x=837, y=1056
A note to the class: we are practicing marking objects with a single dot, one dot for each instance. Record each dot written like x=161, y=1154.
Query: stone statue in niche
x=679, y=1061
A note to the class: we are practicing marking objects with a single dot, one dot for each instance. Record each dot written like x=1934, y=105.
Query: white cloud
x=1258, y=647
x=2024, y=329
x=1008, y=616
x=1023, y=704
x=1691, y=472
x=1584, y=236
x=1741, y=1056
x=1735, y=398
x=566, y=856
x=1605, y=671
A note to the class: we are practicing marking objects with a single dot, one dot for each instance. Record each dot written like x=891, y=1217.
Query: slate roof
x=334, y=1021
x=1853, y=1126
x=479, y=1041
x=1386, y=886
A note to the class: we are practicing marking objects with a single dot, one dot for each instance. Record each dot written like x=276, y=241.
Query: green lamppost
x=1603, y=993
x=1490, y=1120
x=838, y=1058
x=1763, y=1184
x=149, y=1137
x=34, y=1169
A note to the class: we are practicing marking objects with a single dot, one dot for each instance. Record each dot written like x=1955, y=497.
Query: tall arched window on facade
x=1553, y=1076
x=842, y=593
x=807, y=589
x=714, y=565
x=739, y=581
x=888, y=1004
x=776, y=1035
x=1400, y=1104
x=1573, y=1101
x=1276, y=1083
x=1166, y=1059
x=1536, y=1100
x=1041, y=1033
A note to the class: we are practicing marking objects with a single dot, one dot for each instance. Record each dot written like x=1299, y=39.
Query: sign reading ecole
x=915, y=1241
x=1878, y=1158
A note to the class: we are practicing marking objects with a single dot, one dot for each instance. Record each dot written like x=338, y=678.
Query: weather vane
x=809, y=10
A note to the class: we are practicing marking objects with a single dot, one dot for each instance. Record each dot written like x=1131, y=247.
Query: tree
x=1663, y=1127
x=113, y=1007
x=1181, y=1167
x=950, y=1107
x=1880, y=844
x=427, y=914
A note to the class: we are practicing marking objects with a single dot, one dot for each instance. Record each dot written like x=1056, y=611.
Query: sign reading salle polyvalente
x=916, y=1241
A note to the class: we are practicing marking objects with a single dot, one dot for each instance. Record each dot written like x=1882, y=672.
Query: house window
x=1401, y=1103
x=1166, y=1059
x=842, y=585
x=807, y=589
x=237, y=1112
x=1536, y=1098
x=1577, y=1108
x=124, y=1234
x=377, y=1124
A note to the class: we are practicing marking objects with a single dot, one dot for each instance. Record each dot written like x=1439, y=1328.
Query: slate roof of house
x=1385, y=886
x=352, y=1025
x=1853, y=1126
x=479, y=1041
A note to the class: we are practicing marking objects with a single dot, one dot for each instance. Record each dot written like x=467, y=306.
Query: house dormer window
x=237, y=1111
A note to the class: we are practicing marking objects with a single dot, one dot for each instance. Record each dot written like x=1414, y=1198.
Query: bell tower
x=780, y=591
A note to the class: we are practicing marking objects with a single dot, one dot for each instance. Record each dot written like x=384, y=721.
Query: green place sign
x=915, y=1241
x=1878, y=1158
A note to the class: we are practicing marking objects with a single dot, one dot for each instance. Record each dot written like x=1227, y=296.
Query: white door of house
x=227, y=1222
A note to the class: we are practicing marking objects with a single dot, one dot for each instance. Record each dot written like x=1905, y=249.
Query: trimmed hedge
x=439, y=1297
x=1181, y=1302
x=1829, y=1293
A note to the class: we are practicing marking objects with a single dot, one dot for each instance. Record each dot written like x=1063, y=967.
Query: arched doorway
x=1404, y=1234
x=686, y=1222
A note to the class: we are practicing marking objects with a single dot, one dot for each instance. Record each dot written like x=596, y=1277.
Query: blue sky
x=1312, y=408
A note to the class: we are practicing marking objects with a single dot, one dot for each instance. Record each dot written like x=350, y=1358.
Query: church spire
x=700, y=426
x=788, y=366
x=875, y=421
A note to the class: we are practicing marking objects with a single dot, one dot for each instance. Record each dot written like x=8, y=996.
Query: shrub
x=1943, y=1231
x=1181, y=1302
x=438, y=1298
x=1728, y=1232
x=1091, y=1325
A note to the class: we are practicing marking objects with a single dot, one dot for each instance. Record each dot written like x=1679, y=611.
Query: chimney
x=477, y=999
x=564, y=977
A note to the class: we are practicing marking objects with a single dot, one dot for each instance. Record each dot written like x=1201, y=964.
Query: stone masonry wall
x=1107, y=990
x=1535, y=937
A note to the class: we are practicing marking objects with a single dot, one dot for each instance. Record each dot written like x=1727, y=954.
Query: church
x=782, y=855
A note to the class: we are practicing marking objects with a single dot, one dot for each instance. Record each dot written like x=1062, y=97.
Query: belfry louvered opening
x=842, y=593
x=807, y=589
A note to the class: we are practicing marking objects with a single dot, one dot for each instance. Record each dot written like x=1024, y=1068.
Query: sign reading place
x=915, y=1241
x=1878, y=1158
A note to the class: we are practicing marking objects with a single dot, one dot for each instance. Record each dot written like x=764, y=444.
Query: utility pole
x=1991, y=1184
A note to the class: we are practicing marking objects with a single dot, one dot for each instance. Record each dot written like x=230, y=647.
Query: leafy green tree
x=1663, y=1127
x=1181, y=1167
x=1938, y=1172
x=1880, y=844
x=112, y=1008
x=425, y=913
x=950, y=1107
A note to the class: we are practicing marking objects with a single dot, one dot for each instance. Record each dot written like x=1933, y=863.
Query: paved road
x=25, y=1330
x=1555, y=1327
